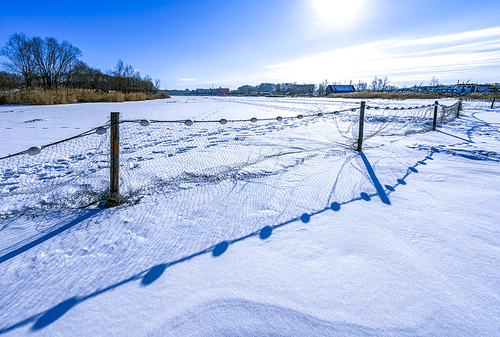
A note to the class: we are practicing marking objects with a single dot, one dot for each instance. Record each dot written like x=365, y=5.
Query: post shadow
x=465, y=140
x=412, y=169
x=153, y=274
x=265, y=232
x=48, y=236
x=53, y=314
x=220, y=248
x=380, y=190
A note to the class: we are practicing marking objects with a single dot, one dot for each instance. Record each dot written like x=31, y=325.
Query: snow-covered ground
x=402, y=239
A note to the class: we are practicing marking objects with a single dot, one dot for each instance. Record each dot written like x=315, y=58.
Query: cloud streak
x=450, y=57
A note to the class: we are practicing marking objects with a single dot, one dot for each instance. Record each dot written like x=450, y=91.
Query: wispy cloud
x=450, y=57
x=463, y=36
x=188, y=79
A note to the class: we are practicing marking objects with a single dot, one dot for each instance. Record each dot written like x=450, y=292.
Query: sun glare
x=337, y=12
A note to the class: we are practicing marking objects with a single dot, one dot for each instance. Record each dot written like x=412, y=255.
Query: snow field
x=413, y=249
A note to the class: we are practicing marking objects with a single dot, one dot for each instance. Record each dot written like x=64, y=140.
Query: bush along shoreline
x=70, y=96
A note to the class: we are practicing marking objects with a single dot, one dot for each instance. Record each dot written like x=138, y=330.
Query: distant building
x=337, y=89
x=304, y=89
x=471, y=88
x=465, y=88
x=203, y=92
x=219, y=91
x=176, y=92
x=298, y=89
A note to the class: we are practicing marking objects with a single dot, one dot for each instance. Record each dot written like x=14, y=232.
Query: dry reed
x=68, y=96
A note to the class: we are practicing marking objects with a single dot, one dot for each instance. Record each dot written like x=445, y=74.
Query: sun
x=337, y=12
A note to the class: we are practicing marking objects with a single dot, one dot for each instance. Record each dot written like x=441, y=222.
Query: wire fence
x=160, y=155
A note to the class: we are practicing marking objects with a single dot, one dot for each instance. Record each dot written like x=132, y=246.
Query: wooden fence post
x=459, y=107
x=435, y=115
x=361, y=125
x=114, y=159
x=493, y=103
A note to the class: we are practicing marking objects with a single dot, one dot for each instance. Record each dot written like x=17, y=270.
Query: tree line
x=378, y=84
x=46, y=63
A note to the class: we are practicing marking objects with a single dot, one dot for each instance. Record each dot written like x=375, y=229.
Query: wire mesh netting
x=448, y=113
x=175, y=154
x=69, y=173
x=405, y=120
x=168, y=156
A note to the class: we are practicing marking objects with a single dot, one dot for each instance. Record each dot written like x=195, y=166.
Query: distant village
x=325, y=89
x=271, y=89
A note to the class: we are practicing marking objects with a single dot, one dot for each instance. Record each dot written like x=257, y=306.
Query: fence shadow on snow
x=371, y=187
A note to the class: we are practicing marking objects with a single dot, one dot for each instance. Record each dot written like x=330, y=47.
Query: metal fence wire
x=166, y=156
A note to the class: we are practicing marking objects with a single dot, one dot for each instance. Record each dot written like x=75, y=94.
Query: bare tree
x=384, y=84
x=9, y=81
x=280, y=88
x=66, y=59
x=379, y=84
x=54, y=61
x=39, y=52
x=49, y=63
x=266, y=87
x=246, y=89
x=157, y=85
x=118, y=74
x=136, y=81
x=376, y=83
x=434, y=81
x=322, y=88
x=19, y=52
x=128, y=72
x=361, y=86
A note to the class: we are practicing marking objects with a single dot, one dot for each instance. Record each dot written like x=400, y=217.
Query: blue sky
x=197, y=44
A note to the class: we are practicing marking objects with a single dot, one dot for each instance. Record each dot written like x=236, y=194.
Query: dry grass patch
x=483, y=96
x=68, y=96
x=136, y=96
x=28, y=97
x=162, y=95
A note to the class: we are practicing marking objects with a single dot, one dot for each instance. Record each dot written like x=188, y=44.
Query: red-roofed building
x=219, y=91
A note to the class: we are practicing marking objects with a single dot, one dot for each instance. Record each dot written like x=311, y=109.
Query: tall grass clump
x=136, y=96
x=69, y=96
x=28, y=97
x=479, y=96
x=162, y=95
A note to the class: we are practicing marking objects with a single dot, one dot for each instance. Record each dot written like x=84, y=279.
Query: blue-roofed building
x=338, y=89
